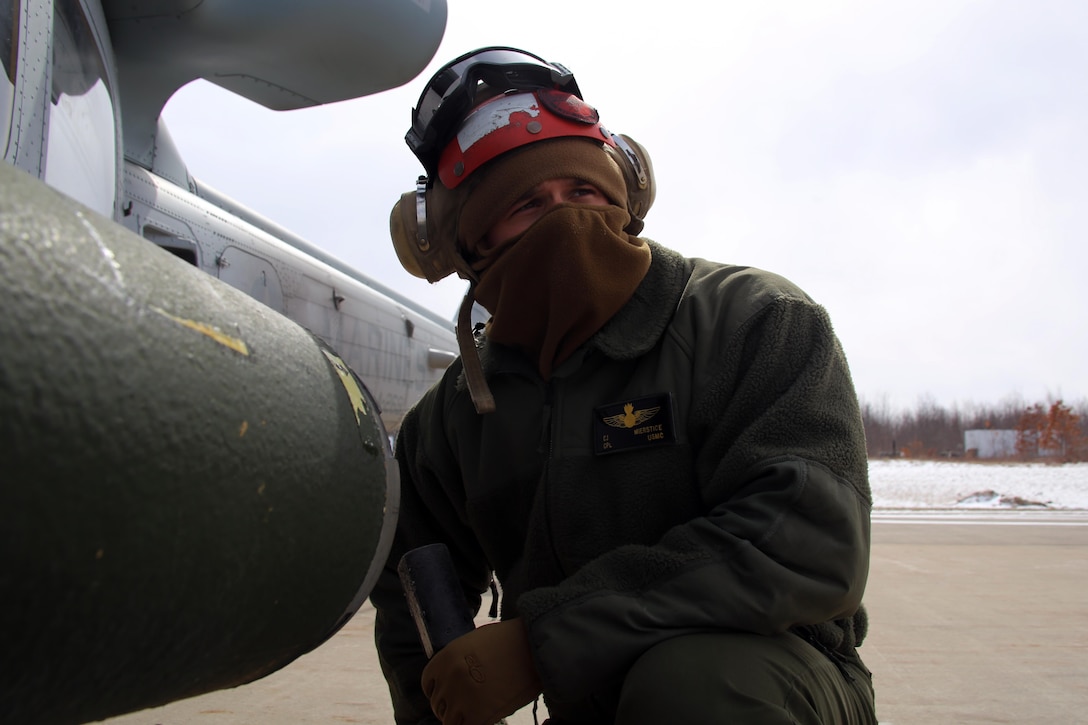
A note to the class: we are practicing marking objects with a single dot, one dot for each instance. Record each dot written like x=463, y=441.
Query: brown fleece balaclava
x=552, y=287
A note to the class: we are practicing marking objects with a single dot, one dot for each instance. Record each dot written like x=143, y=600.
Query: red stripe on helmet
x=510, y=121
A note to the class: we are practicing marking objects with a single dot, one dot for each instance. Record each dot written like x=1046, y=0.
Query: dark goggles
x=453, y=91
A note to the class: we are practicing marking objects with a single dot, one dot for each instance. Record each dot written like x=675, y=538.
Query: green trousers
x=745, y=678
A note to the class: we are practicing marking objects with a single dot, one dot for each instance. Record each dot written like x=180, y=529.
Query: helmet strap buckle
x=421, y=214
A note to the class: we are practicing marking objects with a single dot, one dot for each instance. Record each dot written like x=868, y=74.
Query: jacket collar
x=636, y=328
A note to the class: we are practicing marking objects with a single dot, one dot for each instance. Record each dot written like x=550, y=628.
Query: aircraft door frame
x=251, y=274
x=62, y=94
x=28, y=117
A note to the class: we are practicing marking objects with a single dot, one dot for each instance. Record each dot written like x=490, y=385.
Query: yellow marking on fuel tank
x=211, y=331
x=355, y=394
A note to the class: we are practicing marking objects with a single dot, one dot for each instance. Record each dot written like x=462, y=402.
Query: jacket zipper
x=548, y=447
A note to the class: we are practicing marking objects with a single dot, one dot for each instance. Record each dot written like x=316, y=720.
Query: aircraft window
x=7, y=38
x=186, y=254
x=181, y=248
x=8, y=57
x=81, y=158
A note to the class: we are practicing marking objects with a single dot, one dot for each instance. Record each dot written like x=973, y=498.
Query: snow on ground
x=899, y=483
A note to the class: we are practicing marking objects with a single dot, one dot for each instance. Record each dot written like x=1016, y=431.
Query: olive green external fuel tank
x=194, y=490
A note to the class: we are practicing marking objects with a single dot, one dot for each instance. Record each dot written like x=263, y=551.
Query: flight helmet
x=475, y=109
x=464, y=82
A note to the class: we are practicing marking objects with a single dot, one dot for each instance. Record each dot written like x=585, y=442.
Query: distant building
x=990, y=443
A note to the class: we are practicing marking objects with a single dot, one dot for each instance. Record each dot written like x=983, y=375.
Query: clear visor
x=459, y=85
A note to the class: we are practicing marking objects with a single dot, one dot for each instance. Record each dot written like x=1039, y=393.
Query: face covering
x=553, y=287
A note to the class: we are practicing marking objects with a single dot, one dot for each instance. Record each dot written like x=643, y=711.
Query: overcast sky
x=920, y=169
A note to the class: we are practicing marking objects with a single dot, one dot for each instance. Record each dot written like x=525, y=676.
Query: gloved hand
x=482, y=676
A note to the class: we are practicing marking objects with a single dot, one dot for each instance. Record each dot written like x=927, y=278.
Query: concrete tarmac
x=975, y=617
x=979, y=618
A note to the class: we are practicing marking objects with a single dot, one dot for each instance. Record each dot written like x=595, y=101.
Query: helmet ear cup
x=423, y=227
x=638, y=173
x=404, y=231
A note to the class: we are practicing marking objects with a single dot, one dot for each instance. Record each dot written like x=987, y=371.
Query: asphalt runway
x=975, y=617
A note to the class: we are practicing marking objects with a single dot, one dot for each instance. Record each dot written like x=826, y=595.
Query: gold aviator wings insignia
x=630, y=417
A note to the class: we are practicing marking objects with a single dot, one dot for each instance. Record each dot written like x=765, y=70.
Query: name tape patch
x=633, y=424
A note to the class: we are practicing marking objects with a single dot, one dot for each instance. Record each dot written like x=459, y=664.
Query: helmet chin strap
x=478, y=389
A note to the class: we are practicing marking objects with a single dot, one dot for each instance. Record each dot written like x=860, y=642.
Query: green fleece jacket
x=698, y=465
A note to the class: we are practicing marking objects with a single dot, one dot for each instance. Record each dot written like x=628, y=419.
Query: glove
x=482, y=676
